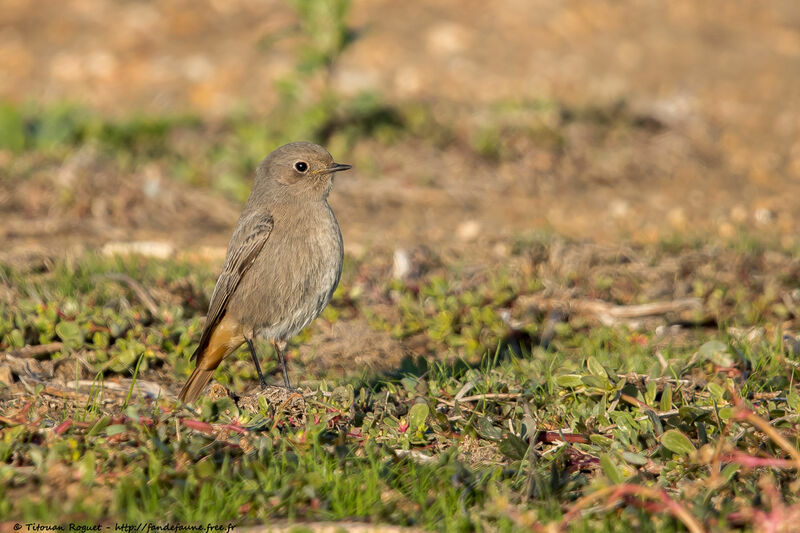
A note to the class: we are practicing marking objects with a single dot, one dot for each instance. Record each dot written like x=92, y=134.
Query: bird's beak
x=336, y=167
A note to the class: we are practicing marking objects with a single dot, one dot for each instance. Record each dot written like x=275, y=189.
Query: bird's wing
x=246, y=243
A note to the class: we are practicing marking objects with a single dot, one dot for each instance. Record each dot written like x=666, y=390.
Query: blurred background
x=470, y=124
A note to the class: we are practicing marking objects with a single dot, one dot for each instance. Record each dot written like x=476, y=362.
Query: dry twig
x=611, y=314
x=37, y=351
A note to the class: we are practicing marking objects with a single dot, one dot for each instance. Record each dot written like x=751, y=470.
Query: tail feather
x=215, y=346
x=195, y=384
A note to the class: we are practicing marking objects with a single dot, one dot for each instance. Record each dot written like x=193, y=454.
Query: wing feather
x=246, y=243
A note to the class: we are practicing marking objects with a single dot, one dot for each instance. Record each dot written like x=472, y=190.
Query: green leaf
x=792, y=400
x=487, y=430
x=417, y=416
x=100, y=339
x=666, y=398
x=716, y=390
x=729, y=471
x=677, y=442
x=600, y=440
x=513, y=447
x=70, y=333
x=206, y=468
x=595, y=382
x=569, y=380
x=715, y=351
x=691, y=413
x=595, y=368
x=650, y=392
x=343, y=396
x=658, y=428
x=99, y=426
x=712, y=347
x=634, y=458
x=16, y=339
x=86, y=466
x=115, y=429
x=409, y=384
x=12, y=129
x=726, y=413
x=224, y=410
x=610, y=469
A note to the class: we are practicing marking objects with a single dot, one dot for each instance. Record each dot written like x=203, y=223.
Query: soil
x=707, y=96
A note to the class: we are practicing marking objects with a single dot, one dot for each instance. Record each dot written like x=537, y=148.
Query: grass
x=609, y=428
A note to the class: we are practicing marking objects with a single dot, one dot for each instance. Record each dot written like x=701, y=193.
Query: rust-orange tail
x=223, y=340
x=195, y=384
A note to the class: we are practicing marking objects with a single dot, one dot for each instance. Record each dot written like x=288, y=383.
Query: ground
x=571, y=278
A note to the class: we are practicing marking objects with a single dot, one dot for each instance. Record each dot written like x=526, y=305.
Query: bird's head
x=300, y=170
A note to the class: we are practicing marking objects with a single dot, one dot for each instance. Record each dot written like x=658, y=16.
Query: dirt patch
x=675, y=119
x=351, y=345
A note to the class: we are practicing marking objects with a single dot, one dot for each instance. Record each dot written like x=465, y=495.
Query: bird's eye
x=301, y=166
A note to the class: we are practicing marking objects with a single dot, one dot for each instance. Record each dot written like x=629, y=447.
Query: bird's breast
x=294, y=276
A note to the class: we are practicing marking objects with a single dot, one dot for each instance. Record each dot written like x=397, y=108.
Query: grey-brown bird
x=282, y=266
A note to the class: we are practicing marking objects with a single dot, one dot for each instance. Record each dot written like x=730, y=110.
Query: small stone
x=739, y=214
x=726, y=230
x=159, y=250
x=469, y=230
x=354, y=249
x=351, y=81
x=408, y=80
x=791, y=345
x=501, y=250
x=198, y=68
x=401, y=264
x=677, y=218
x=763, y=216
x=447, y=38
x=619, y=208
x=5, y=376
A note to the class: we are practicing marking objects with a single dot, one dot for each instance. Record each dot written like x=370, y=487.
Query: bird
x=283, y=262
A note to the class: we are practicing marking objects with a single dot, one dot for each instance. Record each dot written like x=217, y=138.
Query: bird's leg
x=280, y=347
x=255, y=362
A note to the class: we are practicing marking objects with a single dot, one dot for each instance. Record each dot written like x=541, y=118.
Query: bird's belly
x=299, y=314
x=292, y=290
